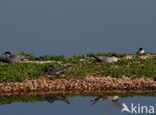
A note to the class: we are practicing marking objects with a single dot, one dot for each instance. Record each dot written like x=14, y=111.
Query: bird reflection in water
x=53, y=98
x=114, y=102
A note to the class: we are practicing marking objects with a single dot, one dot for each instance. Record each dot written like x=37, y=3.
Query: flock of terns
x=14, y=58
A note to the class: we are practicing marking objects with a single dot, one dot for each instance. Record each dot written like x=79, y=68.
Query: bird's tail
x=24, y=56
x=63, y=69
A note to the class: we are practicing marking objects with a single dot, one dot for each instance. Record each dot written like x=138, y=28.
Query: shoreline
x=79, y=85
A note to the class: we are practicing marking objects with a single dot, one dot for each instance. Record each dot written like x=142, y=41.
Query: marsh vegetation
x=84, y=65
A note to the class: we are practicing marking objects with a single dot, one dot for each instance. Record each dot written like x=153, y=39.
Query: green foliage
x=48, y=57
x=22, y=53
x=3, y=59
x=135, y=67
x=20, y=72
x=80, y=66
x=108, y=54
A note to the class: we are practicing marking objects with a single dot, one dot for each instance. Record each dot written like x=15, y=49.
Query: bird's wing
x=102, y=58
x=59, y=70
x=96, y=99
x=22, y=56
x=13, y=56
x=100, y=98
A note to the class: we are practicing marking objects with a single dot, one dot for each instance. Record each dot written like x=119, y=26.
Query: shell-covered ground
x=83, y=84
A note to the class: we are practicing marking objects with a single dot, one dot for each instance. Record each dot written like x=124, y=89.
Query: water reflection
x=101, y=104
x=102, y=98
x=53, y=98
x=114, y=102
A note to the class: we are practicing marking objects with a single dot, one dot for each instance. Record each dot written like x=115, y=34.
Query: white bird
x=140, y=51
x=106, y=59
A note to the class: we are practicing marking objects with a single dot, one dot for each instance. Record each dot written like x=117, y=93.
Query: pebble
x=88, y=83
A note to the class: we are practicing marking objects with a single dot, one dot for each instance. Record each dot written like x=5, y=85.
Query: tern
x=51, y=70
x=140, y=51
x=14, y=58
x=106, y=59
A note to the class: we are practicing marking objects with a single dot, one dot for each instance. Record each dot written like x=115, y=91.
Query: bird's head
x=47, y=69
x=7, y=53
x=115, y=98
x=50, y=67
x=140, y=49
x=114, y=55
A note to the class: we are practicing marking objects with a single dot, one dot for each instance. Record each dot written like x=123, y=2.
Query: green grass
x=80, y=66
x=3, y=59
x=108, y=54
x=135, y=67
x=20, y=72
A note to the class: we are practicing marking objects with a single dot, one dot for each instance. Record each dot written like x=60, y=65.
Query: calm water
x=73, y=27
x=78, y=106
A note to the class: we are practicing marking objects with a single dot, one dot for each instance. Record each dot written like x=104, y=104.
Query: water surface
x=78, y=106
x=73, y=27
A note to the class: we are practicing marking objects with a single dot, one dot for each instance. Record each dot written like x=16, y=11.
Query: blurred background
x=76, y=27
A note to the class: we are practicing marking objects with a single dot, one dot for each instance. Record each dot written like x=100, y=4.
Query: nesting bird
x=51, y=70
x=140, y=51
x=52, y=99
x=13, y=58
x=106, y=59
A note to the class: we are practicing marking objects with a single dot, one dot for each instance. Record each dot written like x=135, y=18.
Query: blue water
x=78, y=106
x=74, y=27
